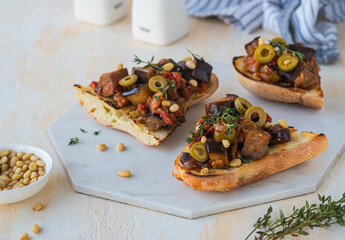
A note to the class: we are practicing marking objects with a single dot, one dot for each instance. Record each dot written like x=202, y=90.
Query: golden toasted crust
x=301, y=148
x=104, y=111
x=311, y=98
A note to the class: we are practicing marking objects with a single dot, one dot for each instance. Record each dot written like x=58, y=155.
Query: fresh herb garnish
x=150, y=63
x=97, y=132
x=73, y=141
x=325, y=214
x=226, y=117
x=283, y=47
x=83, y=130
x=246, y=159
x=196, y=56
x=191, y=137
x=164, y=91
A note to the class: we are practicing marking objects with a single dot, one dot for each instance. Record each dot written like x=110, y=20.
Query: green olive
x=264, y=53
x=278, y=39
x=157, y=82
x=242, y=105
x=199, y=152
x=128, y=80
x=258, y=113
x=219, y=136
x=287, y=62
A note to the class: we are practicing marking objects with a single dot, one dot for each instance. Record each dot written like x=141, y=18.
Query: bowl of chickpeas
x=24, y=171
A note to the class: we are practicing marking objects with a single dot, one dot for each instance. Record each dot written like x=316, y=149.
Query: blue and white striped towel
x=307, y=21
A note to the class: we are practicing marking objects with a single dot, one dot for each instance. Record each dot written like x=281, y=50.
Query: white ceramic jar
x=159, y=21
x=100, y=12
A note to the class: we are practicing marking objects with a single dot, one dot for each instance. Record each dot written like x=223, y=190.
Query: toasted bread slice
x=104, y=111
x=301, y=148
x=311, y=98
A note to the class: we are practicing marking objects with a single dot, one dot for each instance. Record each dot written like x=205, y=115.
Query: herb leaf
x=191, y=137
x=97, y=132
x=73, y=141
x=283, y=47
x=246, y=160
x=83, y=130
x=196, y=56
x=150, y=63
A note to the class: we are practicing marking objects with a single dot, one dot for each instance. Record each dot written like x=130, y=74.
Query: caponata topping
x=199, y=152
x=257, y=115
x=157, y=82
x=264, y=53
x=242, y=105
x=128, y=80
x=287, y=62
x=220, y=136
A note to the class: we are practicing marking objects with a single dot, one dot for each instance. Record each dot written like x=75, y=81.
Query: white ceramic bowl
x=19, y=194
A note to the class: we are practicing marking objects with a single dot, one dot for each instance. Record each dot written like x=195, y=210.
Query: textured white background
x=43, y=51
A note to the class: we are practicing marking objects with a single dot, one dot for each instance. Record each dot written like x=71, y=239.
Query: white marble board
x=152, y=186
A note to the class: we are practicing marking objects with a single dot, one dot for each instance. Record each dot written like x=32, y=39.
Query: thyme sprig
x=196, y=56
x=149, y=63
x=323, y=215
x=246, y=159
x=164, y=91
x=283, y=47
x=226, y=117
x=97, y=132
x=83, y=130
x=191, y=137
x=73, y=141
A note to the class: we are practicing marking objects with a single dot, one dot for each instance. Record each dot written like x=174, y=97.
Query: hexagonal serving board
x=152, y=186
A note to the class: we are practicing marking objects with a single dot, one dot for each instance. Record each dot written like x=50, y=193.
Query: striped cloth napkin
x=306, y=21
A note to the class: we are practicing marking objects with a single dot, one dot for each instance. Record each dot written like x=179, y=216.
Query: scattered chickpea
x=119, y=66
x=190, y=64
x=124, y=173
x=267, y=125
x=226, y=143
x=188, y=58
x=235, y=162
x=37, y=207
x=166, y=103
x=120, y=147
x=36, y=229
x=101, y=147
x=174, y=108
x=193, y=82
x=205, y=171
x=168, y=66
x=24, y=236
x=203, y=139
x=283, y=123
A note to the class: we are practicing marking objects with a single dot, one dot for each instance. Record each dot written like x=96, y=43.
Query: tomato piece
x=141, y=107
x=169, y=119
x=93, y=84
x=173, y=76
x=268, y=118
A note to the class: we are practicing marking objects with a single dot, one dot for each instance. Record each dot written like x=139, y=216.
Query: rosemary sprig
x=83, y=130
x=283, y=48
x=196, y=56
x=97, y=132
x=150, y=63
x=326, y=213
x=73, y=141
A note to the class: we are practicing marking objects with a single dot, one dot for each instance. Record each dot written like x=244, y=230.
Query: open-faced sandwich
x=280, y=72
x=236, y=143
x=151, y=101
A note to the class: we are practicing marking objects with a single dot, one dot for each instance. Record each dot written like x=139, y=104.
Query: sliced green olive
x=128, y=80
x=257, y=115
x=219, y=136
x=278, y=39
x=199, y=152
x=157, y=82
x=264, y=53
x=287, y=62
x=242, y=105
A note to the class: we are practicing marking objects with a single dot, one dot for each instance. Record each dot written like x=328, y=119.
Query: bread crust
x=310, y=98
x=106, y=113
x=301, y=148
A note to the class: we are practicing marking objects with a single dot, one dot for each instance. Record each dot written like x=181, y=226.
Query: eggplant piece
x=187, y=161
x=202, y=71
x=279, y=134
x=216, y=107
x=217, y=154
x=144, y=74
x=137, y=95
x=152, y=121
x=109, y=82
x=132, y=89
x=308, y=53
x=251, y=46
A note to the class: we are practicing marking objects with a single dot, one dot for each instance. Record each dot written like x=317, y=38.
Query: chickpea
x=168, y=66
x=119, y=66
x=13, y=161
x=166, y=103
x=36, y=229
x=24, y=236
x=20, y=154
x=25, y=167
x=4, y=167
x=2, y=184
x=205, y=171
x=27, y=156
x=226, y=143
x=124, y=173
x=101, y=147
x=283, y=123
x=34, y=158
x=4, y=152
x=20, y=164
x=193, y=82
x=37, y=207
x=41, y=173
x=190, y=64
x=33, y=166
x=40, y=163
x=120, y=147
x=188, y=58
x=203, y=139
x=235, y=163
x=267, y=124
x=261, y=41
x=4, y=160
x=33, y=175
x=174, y=108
